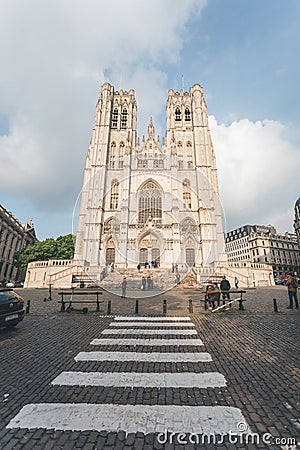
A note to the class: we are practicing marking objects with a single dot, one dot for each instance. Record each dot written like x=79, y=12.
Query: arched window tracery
x=177, y=114
x=112, y=154
x=150, y=202
x=114, y=121
x=187, y=114
x=114, y=195
x=186, y=188
x=124, y=118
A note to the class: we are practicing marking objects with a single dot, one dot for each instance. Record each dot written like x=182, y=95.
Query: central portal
x=149, y=249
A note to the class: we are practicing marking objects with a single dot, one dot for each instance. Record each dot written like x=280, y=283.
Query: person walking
x=225, y=288
x=292, y=285
x=143, y=287
x=124, y=287
x=236, y=282
x=149, y=282
x=138, y=268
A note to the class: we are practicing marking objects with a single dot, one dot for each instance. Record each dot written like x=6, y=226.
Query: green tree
x=60, y=248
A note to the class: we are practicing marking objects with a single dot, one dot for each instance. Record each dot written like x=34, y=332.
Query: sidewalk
x=259, y=301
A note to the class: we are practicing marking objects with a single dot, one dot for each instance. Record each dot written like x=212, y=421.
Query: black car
x=11, y=308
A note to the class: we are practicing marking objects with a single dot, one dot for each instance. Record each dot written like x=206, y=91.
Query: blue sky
x=56, y=54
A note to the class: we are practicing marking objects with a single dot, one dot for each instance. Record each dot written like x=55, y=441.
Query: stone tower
x=150, y=201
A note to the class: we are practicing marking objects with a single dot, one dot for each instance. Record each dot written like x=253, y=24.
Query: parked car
x=278, y=281
x=10, y=284
x=12, y=308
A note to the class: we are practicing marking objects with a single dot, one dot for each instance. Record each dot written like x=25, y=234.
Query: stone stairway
x=163, y=280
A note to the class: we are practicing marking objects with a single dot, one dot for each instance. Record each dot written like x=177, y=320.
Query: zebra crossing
x=175, y=332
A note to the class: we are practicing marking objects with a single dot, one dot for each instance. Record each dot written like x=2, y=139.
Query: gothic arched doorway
x=190, y=256
x=110, y=252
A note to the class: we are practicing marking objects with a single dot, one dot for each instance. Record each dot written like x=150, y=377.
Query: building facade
x=262, y=244
x=297, y=220
x=14, y=236
x=150, y=201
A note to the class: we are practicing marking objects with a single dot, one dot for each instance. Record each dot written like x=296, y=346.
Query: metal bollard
x=164, y=306
x=191, y=309
x=275, y=305
x=109, y=307
x=28, y=307
x=136, y=307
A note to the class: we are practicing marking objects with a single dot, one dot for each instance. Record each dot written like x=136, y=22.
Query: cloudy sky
x=55, y=54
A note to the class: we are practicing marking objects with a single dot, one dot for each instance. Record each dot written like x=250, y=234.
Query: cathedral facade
x=149, y=207
x=150, y=200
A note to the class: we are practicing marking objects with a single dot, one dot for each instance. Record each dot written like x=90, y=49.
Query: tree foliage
x=60, y=248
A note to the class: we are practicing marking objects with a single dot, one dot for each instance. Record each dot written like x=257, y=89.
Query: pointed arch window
x=121, y=154
x=187, y=114
x=179, y=146
x=112, y=154
x=121, y=149
x=177, y=114
x=124, y=118
x=114, y=195
x=114, y=121
x=186, y=188
x=150, y=202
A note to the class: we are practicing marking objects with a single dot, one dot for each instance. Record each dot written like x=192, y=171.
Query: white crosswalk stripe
x=131, y=418
x=140, y=379
x=122, y=332
x=145, y=342
x=144, y=357
x=152, y=324
x=152, y=319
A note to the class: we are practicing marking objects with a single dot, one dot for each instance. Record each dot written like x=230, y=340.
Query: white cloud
x=54, y=57
x=258, y=172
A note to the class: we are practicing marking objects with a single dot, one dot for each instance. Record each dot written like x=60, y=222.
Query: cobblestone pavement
x=255, y=351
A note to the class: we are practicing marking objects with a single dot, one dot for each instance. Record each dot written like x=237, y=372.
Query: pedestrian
x=146, y=264
x=124, y=287
x=143, y=287
x=212, y=295
x=173, y=268
x=177, y=279
x=236, y=282
x=292, y=285
x=176, y=268
x=138, y=268
x=149, y=282
x=225, y=288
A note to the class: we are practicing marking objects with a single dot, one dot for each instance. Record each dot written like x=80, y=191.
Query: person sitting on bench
x=212, y=295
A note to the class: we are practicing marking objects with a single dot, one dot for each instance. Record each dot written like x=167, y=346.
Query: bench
x=241, y=300
x=72, y=293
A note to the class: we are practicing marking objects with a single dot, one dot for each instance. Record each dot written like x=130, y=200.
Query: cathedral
x=149, y=207
x=150, y=201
